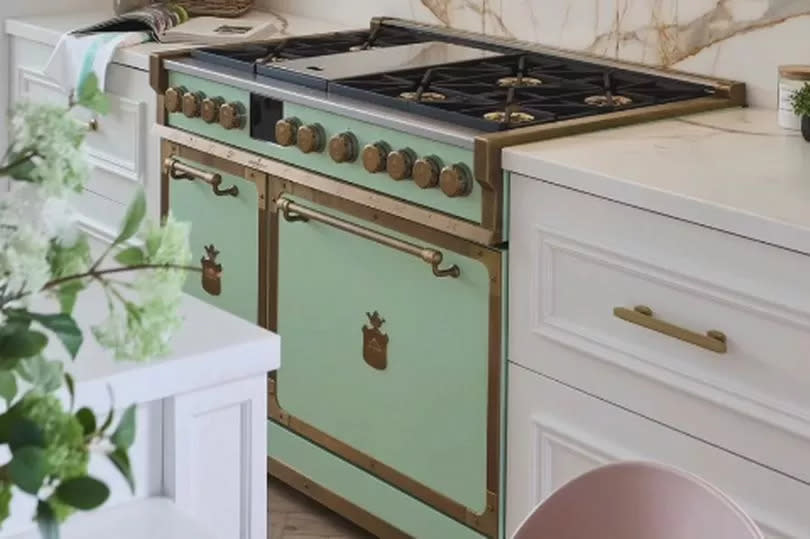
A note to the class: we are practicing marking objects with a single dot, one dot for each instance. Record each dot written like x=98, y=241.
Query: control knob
x=426, y=172
x=173, y=98
x=192, y=102
x=374, y=156
x=456, y=180
x=399, y=163
x=343, y=148
x=210, y=109
x=286, y=131
x=311, y=138
x=232, y=115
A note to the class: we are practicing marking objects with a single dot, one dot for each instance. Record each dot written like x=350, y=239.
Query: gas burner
x=356, y=48
x=605, y=101
x=515, y=117
x=519, y=82
x=424, y=97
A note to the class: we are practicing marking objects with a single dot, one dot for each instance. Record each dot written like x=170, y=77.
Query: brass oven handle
x=643, y=316
x=178, y=170
x=294, y=212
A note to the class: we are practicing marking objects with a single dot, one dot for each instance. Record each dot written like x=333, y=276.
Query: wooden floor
x=294, y=516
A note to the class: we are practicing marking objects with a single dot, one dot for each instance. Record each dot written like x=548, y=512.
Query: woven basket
x=217, y=8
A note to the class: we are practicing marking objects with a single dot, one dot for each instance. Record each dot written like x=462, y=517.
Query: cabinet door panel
x=557, y=433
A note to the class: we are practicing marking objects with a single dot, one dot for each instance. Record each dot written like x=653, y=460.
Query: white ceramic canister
x=791, y=79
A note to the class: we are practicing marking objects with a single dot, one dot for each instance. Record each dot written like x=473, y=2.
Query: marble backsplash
x=737, y=39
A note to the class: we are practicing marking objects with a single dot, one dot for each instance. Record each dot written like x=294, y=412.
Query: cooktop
x=470, y=84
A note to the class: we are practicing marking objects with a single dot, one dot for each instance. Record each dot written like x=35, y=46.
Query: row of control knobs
x=210, y=109
x=426, y=172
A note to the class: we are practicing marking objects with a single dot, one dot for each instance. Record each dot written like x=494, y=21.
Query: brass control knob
x=399, y=164
x=426, y=172
x=210, y=109
x=173, y=98
x=374, y=156
x=456, y=180
x=286, y=131
x=311, y=138
x=192, y=103
x=343, y=148
x=232, y=115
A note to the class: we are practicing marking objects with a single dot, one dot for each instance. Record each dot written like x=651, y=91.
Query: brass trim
x=487, y=522
x=293, y=212
x=173, y=150
x=437, y=221
x=333, y=501
x=642, y=315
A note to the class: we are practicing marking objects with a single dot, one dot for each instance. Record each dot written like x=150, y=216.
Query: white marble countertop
x=47, y=29
x=213, y=347
x=734, y=170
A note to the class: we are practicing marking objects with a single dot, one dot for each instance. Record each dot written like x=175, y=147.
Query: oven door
x=391, y=348
x=225, y=204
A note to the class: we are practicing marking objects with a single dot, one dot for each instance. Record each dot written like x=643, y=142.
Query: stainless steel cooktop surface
x=367, y=62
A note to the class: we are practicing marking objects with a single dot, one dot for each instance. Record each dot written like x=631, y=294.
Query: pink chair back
x=637, y=500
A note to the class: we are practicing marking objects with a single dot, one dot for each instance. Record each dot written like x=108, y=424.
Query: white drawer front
x=556, y=433
x=575, y=258
x=117, y=149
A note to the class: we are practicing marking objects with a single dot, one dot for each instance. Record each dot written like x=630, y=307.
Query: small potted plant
x=800, y=100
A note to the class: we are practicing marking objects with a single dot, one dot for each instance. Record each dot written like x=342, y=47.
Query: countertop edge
x=159, y=380
x=129, y=57
x=669, y=203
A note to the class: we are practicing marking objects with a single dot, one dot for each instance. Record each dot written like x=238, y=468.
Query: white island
x=200, y=455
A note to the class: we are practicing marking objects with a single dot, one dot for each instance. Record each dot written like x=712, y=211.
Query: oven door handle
x=293, y=212
x=177, y=170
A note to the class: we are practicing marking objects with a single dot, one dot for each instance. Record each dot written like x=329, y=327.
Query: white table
x=201, y=430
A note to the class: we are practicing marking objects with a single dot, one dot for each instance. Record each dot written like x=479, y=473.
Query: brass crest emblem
x=375, y=342
x=211, y=271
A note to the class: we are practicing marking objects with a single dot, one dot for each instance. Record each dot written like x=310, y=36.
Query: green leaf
x=46, y=520
x=8, y=385
x=64, y=327
x=20, y=432
x=130, y=256
x=124, y=435
x=133, y=218
x=28, y=468
x=71, y=387
x=67, y=294
x=21, y=171
x=109, y=419
x=107, y=422
x=91, y=97
x=120, y=459
x=87, y=418
x=43, y=374
x=85, y=493
x=22, y=343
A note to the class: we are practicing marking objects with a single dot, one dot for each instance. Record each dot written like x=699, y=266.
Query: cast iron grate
x=516, y=90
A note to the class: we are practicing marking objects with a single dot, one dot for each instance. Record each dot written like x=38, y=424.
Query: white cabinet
x=121, y=151
x=736, y=412
x=556, y=433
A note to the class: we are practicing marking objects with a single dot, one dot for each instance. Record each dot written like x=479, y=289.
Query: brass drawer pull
x=294, y=212
x=643, y=316
x=181, y=171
